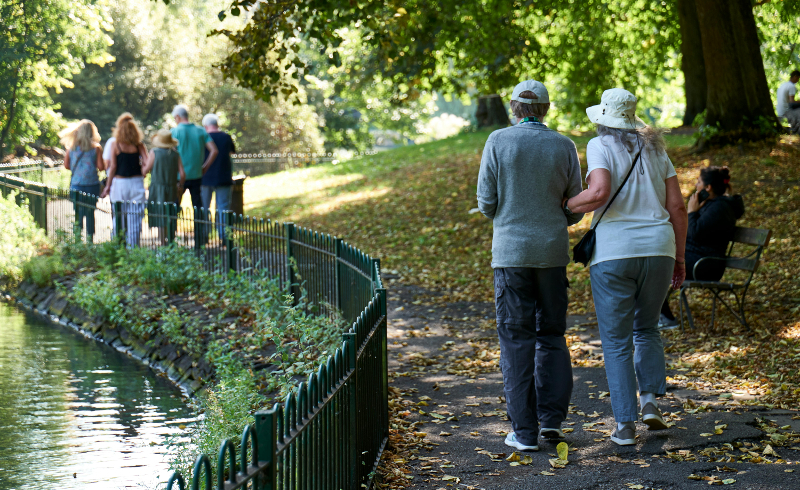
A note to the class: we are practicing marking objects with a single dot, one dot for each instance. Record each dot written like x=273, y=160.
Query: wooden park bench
x=753, y=237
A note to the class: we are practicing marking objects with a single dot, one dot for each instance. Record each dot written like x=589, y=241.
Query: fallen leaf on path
x=563, y=451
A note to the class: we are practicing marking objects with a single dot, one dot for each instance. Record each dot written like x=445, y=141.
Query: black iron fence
x=330, y=432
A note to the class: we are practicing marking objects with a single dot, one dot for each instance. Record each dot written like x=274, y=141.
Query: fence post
x=266, y=434
x=228, y=220
x=73, y=198
x=199, y=228
x=381, y=291
x=170, y=211
x=290, y=279
x=338, y=269
x=352, y=393
x=46, y=209
x=119, y=222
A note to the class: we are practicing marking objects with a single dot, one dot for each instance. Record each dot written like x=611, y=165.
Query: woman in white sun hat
x=640, y=246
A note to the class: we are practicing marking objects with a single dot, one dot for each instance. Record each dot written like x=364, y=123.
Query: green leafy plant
x=41, y=269
x=20, y=238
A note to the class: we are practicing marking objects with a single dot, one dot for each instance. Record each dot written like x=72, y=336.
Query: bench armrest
x=694, y=269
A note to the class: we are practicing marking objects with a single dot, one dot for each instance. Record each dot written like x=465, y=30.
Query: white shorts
x=127, y=189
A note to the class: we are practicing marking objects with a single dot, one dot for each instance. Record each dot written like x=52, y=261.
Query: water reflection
x=75, y=414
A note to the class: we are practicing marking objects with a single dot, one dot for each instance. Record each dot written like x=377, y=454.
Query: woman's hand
x=678, y=274
x=106, y=192
x=694, y=203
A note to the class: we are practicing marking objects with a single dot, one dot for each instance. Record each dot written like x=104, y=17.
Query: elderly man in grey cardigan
x=526, y=172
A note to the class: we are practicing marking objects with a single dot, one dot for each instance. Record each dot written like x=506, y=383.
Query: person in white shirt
x=107, y=150
x=786, y=94
x=640, y=246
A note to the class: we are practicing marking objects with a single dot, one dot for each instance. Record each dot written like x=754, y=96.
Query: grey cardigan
x=526, y=170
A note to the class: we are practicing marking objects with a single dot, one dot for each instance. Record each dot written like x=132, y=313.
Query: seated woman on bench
x=712, y=221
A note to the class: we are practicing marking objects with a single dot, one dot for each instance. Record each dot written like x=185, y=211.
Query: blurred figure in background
x=83, y=157
x=166, y=183
x=193, y=141
x=125, y=182
x=218, y=179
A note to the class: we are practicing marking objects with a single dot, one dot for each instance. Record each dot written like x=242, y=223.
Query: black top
x=128, y=165
x=711, y=227
x=220, y=173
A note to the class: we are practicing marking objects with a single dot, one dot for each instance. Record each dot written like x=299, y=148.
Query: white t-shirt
x=786, y=90
x=108, y=148
x=637, y=223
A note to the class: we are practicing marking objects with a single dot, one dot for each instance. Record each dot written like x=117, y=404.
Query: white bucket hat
x=617, y=109
x=542, y=97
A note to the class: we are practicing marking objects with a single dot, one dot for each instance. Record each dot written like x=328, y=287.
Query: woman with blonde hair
x=83, y=157
x=126, y=176
x=639, y=250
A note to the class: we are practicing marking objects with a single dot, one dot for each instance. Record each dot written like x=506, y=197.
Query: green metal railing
x=330, y=432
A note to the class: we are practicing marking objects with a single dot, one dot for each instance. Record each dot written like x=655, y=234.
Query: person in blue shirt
x=83, y=157
x=218, y=179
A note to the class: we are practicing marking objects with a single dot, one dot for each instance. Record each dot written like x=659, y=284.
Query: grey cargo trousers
x=531, y=309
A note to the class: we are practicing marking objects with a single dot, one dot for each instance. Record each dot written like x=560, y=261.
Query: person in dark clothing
x=713, y=212
x=218, y=180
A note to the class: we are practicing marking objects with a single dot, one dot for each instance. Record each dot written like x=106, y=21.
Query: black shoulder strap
x=619, y=189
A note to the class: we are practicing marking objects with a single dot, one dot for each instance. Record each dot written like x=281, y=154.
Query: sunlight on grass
x=308, y=182
x=348, y=198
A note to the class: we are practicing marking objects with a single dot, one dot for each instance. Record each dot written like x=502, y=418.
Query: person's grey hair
x=522, y=110
x=180, y=110
x=652, y=138
x=210, y=120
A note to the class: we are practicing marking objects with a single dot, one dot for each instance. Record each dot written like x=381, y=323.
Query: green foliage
x=777, y=24
x=42, y=44
x=20, y=238
x=114, y=291
x=163, y=56
x=412, y=49
x=41, y=269
x=121, y=278
x=227, y=409
x=138, y=80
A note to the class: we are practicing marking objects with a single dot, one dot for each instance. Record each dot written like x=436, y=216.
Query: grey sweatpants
x=628, y=294
x=531, y=309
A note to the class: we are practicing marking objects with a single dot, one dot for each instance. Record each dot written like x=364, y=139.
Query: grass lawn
x=414, y=207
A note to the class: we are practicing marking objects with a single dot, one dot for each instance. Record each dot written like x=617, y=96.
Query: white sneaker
x=511, y=440
x=551, y=434
x=625, y=436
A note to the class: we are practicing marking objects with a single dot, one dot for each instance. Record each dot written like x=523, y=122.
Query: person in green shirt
x=193, y=141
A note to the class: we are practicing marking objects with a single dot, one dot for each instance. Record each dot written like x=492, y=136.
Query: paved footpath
x=441, y=358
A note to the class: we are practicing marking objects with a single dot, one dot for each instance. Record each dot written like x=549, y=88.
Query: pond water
x=77, y=414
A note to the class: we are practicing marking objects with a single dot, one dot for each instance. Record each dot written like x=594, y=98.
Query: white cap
x=542, y=97
x=617, y=109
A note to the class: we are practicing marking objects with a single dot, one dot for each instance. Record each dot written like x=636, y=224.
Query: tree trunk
x=491, y=112
x=692, y=63
x=739, y=102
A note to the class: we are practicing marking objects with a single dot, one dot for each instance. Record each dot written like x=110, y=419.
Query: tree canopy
x=577, y=48
x=43, y=43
